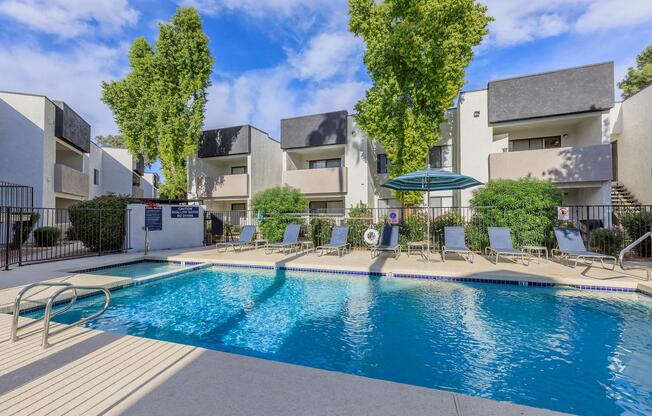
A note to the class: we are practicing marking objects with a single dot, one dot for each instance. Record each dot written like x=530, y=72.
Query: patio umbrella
x=431, y=180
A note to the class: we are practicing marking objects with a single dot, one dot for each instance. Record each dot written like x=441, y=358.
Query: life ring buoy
x=371, y=236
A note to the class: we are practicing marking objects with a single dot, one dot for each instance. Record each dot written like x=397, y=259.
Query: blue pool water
x=575, y=351
x=138, y=269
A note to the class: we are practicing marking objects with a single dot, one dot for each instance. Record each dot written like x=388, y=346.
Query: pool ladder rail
x=47, y=316
x=625, y=266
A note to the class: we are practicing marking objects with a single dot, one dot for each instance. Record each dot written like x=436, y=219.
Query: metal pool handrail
x=629, y=248
x=48, y=311
x=19, y=297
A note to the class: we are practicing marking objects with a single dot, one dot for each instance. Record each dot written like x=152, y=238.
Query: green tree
x=159, y=106
x=527, y=206
x=111, y=140
x=417, y=52
x=639, y=77
x=276, y=205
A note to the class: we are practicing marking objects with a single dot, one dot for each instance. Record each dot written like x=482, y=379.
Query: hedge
x=46, y=236
x=100, y=222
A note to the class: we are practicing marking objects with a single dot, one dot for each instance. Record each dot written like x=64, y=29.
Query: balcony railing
x=137, y=192
x=565, y=164
x=226, y=186
x=317, y=181
x=70, y=181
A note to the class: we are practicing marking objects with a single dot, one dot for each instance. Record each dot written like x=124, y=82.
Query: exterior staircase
x=621, y=196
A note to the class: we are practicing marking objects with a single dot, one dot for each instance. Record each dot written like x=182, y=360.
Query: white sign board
x=392, y=216
x=563, y=214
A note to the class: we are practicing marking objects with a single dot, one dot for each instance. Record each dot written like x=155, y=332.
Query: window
x=382, y=163
x=535, y=143
x=325, y=163
x=238, y=170
x=96, y=177
x=327, y=207
x=239, y=207
x=437, y=157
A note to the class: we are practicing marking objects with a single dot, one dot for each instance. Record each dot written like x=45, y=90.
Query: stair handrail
x=629, y=248
x=19, y=298
x=48, y=311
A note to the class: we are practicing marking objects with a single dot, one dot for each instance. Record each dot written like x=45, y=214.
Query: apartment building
x=231, y=165
x=45, y=144
x=554, y=126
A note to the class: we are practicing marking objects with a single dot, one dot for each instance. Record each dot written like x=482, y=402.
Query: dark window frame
x=238, y=167
x=96, y=177
x=243, y=204
x=311, y=163
x=434, y=163
x=544, y=141
x=382, y=163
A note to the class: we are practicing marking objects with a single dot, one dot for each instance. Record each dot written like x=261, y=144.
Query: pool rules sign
x=563, y=214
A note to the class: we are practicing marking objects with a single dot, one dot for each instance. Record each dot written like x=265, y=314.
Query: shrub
x=319, y=231
x=414, y=228
x=46, y=236
x=527, y=206
x=359, y=221
x=606, y=241
x=636, y=224
x=275, y=204
x=99, y=223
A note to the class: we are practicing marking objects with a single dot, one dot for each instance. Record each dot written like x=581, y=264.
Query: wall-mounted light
x=476, y=114
x=565, y=135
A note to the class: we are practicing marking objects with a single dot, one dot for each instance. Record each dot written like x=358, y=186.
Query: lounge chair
x=290, y=240
x=500, y=244
x=339, y=241
x=388, y=242
x=454, y=242
x=246, y=238
x=571, y=246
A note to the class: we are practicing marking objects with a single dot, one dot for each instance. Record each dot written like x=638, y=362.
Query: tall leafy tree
x=417, y=52
x=638, y=77
x=159, y=105
x=111, y=140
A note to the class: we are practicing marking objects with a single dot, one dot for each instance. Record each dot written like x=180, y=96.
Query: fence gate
x=36, y=235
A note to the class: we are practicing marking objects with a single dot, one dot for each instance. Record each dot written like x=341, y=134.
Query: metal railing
x=51, y=301
x=15, y=195
x=621, y=257
x=37, y=235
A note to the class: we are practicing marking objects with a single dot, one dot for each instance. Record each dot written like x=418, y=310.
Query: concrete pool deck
x=94, y=372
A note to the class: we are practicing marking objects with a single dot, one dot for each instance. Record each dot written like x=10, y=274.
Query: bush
x=46, y=236
x=99, y=223
x=606, y=241
x=413, y=228
x=449, y=219
x=358, y=222
x=636, y=224
x=275, y=204
x=319, y=231
x=527, y=206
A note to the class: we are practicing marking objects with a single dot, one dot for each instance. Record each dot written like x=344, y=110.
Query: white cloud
x=518, y=21
x=71, y=18
x=328, y=55
x=309, y=82
x=74, y=77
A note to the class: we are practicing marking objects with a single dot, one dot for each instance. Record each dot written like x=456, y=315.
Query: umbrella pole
x=428, y=227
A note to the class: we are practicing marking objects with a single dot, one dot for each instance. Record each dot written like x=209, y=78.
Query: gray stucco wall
x=226, y=141
x=69, y=126
x=567, y=91
x=315, y=130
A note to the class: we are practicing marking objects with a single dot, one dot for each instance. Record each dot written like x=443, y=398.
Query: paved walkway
x=90, y=372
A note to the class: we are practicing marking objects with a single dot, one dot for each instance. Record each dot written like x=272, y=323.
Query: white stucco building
x=45, y=144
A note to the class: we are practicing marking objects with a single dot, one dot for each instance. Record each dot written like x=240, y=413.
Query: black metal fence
x=606, y=229
x=14, y=195
x=35, y=235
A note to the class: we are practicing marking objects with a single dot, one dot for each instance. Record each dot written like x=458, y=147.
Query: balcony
x=226, y=186
x=137, y=192
x=70, y=181
x=559, y=165
x=317, y=181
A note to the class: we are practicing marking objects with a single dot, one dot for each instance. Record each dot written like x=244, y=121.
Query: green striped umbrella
x=431, y=180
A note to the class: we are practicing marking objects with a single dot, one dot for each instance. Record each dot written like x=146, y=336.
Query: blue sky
x=282, y=58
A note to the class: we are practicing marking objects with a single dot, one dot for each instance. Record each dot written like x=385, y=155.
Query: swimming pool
x=137, y=269
x=563, y=349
